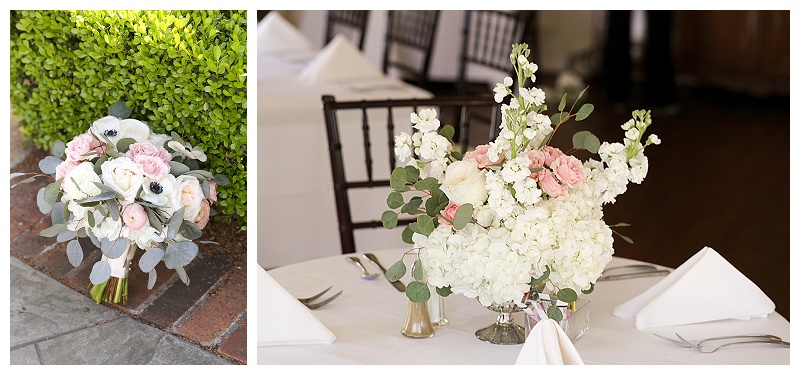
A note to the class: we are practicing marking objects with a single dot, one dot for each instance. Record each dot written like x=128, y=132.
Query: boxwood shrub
x=181, y=71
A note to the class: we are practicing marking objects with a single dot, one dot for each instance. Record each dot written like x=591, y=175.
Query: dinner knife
x=633, y=275
x=397, y=284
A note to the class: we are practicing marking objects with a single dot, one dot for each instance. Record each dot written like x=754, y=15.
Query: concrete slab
x=25, y=356
x=173, y=351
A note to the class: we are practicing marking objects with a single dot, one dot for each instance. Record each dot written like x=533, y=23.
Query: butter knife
x=397, y=284
x=633, y=275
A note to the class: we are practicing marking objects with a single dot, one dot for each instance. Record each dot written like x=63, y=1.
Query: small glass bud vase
x=418, y=322
x=436, y=309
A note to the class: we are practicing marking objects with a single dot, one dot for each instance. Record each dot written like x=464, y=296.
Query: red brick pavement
x=210, y=312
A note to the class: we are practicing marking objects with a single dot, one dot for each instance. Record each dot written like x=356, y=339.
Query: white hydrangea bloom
x=528, y=192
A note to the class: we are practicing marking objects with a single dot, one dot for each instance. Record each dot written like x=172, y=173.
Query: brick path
x=211, y=312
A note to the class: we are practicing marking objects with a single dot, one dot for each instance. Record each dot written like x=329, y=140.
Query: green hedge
x=181, y=71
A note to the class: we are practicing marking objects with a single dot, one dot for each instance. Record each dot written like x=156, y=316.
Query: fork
x=317, y=305
x=706, y=349
x=309, y=299
x=755, y=337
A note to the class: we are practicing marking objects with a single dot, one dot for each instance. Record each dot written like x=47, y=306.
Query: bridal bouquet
x=125, y=187
x=515, y=215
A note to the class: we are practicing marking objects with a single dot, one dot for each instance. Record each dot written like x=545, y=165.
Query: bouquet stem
x=114, y=290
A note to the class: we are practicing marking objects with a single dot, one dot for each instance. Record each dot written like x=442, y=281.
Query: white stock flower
x=464, y=183
x=527, y=191
x=131, y=128
x=187, y=150
x=158, y=192
x=124, y=176
x=501, y=89
x=107, y=229
x=79, y=183
x=425, y=121
x=516, y=169
x=533, y=95
x=639, y=166
x=433, y=146
x=653, y=139
x=403, y=146
x=632, y=134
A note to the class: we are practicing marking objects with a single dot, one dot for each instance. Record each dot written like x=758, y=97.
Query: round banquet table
x=369, y=314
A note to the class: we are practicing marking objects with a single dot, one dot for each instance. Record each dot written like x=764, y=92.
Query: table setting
x=509, y=259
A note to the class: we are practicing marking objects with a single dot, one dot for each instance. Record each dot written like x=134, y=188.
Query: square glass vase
x=575, y=323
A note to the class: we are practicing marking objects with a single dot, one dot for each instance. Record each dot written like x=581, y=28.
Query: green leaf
x=98, y=164
x=586, y=140
x=563, y=103
x=581, y=93
x=542, y=278
x=431, y=206
x=625, y=238
x=176, y=169
x=179, y=254
x=558, y=118
x=417, y=273
x=412, y=205
x=41, y=202
x=588, y=291
x=74, y=253
x=53, y=230
x=414, y=228
x=101, y=271
x=221, y=179
x=418, y=292
x=427, y=184
x=120, y=110
x=463, y=216
x=444, y=292
x=584, y=112
x=447, y=131
x=553, y=312
x=398, y=178
x=619, y=225
x=58, y=148
x=412, y=174
x=98, y=198
x=425, y=224
x=389, y=219
x=396, y=271
x=90, y=218
x=150, y=259
x=567, y=295
x=124, y=144
x=190, y=231
x=407, y=235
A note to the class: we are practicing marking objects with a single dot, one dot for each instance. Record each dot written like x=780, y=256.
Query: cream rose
x=124, y=176
x=188, y=194
x=465, y=183
x=79, y=182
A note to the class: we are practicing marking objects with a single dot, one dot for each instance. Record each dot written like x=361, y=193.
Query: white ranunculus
x=465, y=183
x=131, y=128
x=107, y=126
x=188, y=194
x=158, y=192
x=124, y=176
x=79, y=182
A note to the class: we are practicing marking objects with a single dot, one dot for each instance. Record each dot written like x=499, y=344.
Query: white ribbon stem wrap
x=121, y=265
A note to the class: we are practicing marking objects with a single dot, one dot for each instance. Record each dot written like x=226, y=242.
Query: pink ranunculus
x=62, y=170
x=551, y=154
x=134, y=216
x=569, y=170
x=205, y=213
x=149, y=149
x=448, y=212
x=81, y=145
x=153, y=167
x=549, y=183
x=212, y=191
x=480, y=155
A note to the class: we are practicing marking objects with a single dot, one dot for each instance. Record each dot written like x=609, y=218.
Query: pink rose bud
x=203, y=215
x=537, y=161
x=449, y=212
x=212, y=191
x=134, y=216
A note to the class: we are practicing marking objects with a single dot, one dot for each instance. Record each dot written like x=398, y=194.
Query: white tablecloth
x=368, y=316
x=297, y=212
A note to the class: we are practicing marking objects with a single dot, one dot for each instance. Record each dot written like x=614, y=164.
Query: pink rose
x=551, y=154
x=78, y=148
x=153, y=167
x=480, y=155
x=62, y=170
x=549, y=183
x=134, y=216
x=569, y=170
x=205, y=213
x=449, y=212
x=212, y=191
x=149, y=149
x=537, y=161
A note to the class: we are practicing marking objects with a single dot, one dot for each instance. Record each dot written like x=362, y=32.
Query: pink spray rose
x=212, y=191
x=153, y=167
x=537, y=161
x=569, y=170
x=134, y=216
x=83, y=144
x=205, y=213
x=551, y=154
x=62, y=170
x=480, y=155
x=448, y=212
x=149, y=149
x=549, y=183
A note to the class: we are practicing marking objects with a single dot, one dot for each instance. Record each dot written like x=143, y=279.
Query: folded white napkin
x=277, y=35
x=339, y=61
x=283, y=320
x=548, y=344
x=704, y=288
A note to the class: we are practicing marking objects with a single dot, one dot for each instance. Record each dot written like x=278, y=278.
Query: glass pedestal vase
x=504, y=331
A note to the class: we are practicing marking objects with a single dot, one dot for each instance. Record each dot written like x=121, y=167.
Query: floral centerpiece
x=517, y=213
x=126, y=187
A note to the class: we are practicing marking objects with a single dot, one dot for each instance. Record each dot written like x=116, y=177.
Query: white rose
x=465, y=183
x=131, y=128
x=187, y=194
x=79, y=182
x=124, y=176
x=107, y=126
x=158, y=192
